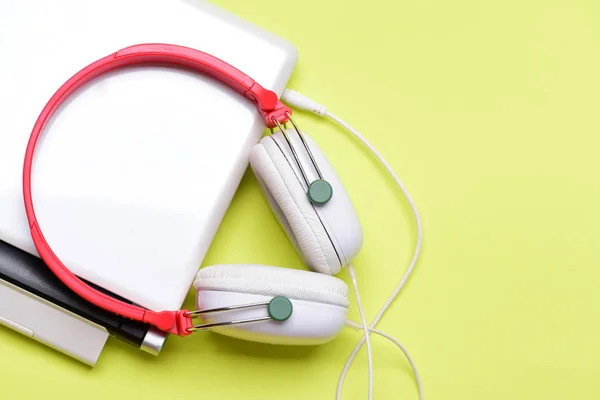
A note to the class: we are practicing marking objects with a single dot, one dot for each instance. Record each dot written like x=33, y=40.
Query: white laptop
x=134, y=175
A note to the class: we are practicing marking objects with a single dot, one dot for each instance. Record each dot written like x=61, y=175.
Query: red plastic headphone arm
x=267, y=101
x=270, y=107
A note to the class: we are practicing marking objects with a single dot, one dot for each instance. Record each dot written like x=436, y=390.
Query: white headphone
x=254, y=302
x=326, y=236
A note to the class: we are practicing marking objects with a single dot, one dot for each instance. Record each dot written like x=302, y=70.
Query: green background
x=488, y=110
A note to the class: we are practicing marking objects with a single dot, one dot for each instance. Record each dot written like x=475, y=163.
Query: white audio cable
x=302, y=102
x=357, y=326
x=364, y=327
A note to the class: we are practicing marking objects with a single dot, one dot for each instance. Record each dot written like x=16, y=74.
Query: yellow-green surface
x=489, y=112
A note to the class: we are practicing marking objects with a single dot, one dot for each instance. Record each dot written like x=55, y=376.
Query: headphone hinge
x=269, y=105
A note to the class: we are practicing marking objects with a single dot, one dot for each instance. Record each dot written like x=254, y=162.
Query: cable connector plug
x=301, y=102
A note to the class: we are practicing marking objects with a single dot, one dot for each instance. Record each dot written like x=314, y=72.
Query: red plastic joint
x=183, y=323
x=175, y=322
x=269, y=105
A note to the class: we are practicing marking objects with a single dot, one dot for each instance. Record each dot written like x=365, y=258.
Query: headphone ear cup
x=319, y=302
x=327, y=236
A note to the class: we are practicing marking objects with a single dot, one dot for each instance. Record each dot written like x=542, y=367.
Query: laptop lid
x=134, y=175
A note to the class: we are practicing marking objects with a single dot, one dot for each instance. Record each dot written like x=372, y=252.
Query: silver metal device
x=204, y=327
x=279, y=308
x=310, y=154
x=154, y=341
x=312, y=159
x=319, y=191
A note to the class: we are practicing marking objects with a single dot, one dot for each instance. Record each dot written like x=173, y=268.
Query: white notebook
x=134, y=175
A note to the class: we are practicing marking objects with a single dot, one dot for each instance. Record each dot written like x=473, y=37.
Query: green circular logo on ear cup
x=280, y=308
x=320, y=192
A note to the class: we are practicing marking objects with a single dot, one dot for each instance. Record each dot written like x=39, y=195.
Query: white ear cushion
x=273, y=281
x=281, y=217
x=288, y=201
x=326, y=236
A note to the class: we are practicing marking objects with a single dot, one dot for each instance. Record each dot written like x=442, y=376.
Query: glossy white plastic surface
x=136, y=172
x=311, y=322
x=51, y=325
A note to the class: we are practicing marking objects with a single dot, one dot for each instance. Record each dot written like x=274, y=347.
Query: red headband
x=268, y=104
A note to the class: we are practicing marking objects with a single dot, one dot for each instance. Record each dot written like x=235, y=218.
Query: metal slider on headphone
x=319, y=191
x=279, y=308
